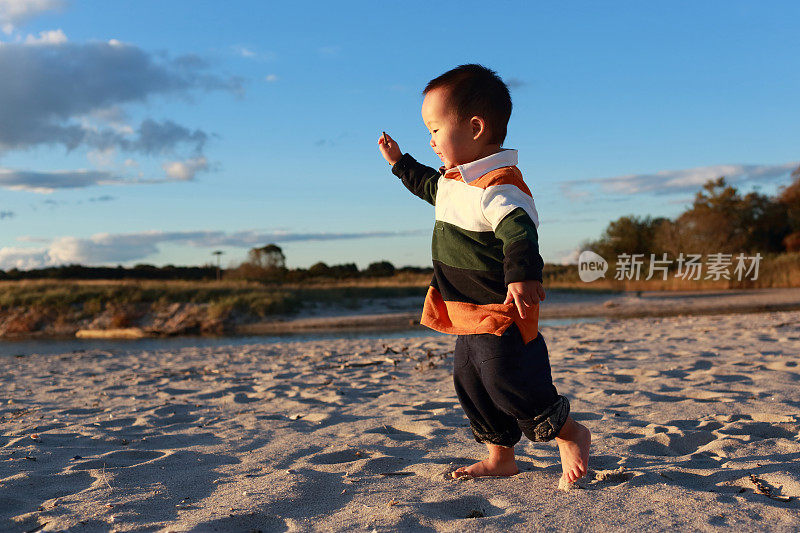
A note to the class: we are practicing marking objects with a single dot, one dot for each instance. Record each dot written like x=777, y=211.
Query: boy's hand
x=524, y=294
x=391, y=152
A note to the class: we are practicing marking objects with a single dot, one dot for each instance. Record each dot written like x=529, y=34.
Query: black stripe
x=470, y=286
x=523, y=262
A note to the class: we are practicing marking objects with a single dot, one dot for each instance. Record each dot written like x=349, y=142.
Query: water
x=59, y=346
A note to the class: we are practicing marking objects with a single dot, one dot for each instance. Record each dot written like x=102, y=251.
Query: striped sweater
x=484, y=238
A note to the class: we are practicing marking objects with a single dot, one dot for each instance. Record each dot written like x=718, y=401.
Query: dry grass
x=95, y=296
x=775, y=271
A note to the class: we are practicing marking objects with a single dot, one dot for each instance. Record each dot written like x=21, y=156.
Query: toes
x=459, y=472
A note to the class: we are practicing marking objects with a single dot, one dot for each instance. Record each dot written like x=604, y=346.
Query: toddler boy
x=487, y=279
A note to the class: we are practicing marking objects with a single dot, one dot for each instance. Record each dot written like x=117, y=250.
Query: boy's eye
x=434, y=131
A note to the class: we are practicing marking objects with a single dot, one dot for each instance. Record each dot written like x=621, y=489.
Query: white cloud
x=113, y=116
x=674, y=181
x=185, y=170
x=249, y=53
x=570, y=257
x=54, y=37
x=50, y=181
x=271, y=78
x=23, y=258
x=109, y=248
x=102, y=158
x=13, y=12
x=244, y=51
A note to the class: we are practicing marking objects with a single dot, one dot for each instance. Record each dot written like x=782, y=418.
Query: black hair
x=476, y=90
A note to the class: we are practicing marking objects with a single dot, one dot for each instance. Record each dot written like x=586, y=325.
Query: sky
x=158, y=132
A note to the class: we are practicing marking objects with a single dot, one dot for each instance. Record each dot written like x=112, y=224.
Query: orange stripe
x=502, y=176
x=453, y=174
x=461, y=318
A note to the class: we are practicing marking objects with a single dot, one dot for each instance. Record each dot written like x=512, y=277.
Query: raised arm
x=418, y=178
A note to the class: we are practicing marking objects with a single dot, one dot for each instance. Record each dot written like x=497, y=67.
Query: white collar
x=506, y=157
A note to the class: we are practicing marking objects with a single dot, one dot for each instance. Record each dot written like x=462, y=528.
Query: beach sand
x=360, y=435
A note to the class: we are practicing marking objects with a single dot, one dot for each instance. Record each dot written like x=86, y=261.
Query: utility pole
x=218, y=253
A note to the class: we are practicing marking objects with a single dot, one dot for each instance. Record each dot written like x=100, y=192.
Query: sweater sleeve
x=418, y=178
x=512, y=214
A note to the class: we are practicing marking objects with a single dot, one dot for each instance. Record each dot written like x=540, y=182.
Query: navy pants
x=506, y=389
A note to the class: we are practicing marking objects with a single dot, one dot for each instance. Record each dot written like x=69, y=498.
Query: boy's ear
x=478, y=127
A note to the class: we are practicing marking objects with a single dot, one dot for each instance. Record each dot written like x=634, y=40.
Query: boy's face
x=454, y=141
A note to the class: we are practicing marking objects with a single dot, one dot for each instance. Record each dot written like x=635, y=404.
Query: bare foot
x=573, y=444
x=499, y=463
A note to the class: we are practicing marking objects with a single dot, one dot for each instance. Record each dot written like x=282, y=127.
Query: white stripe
x=500, y=200
x=460, y=204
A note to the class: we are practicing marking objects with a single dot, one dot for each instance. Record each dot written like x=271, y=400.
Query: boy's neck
x=485, y=152
x=488, y=150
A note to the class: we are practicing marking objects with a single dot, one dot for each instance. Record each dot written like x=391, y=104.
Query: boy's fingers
x=520, y=306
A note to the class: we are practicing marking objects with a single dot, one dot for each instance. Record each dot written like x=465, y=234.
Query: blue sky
x=158, y=132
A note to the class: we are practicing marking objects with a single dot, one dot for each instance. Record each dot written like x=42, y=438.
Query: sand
x=360, y=434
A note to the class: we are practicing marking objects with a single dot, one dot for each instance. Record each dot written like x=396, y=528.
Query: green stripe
x=515, y=226
x=460, y=248
x=430, y=188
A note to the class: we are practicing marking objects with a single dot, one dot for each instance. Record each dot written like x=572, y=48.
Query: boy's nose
x=433, y=144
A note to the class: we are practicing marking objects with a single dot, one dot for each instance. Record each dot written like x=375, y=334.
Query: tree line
x=267, y=263
x=720, y=220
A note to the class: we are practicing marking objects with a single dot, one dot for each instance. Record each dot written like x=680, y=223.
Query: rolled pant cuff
x=507, y=439
x=547, y=425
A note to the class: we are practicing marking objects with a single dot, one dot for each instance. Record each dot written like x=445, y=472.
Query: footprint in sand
x=395, y=433
x=760, y=430
x=24, y=493
x=246, y=521
x=598, y=479
x=172, y=414
x=672, y=443
x=244, y=398
x=333, y=458
x=119, y=459
x=466, y=507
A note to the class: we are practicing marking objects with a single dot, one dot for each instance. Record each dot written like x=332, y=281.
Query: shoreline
x=624, y=306
x=405, y=313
